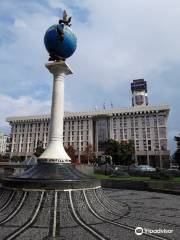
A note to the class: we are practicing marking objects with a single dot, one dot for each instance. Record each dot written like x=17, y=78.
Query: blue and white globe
x=60, y=41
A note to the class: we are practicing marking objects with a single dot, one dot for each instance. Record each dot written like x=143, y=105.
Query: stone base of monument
x=56, y=201
x=51, y=176
x=70, y=212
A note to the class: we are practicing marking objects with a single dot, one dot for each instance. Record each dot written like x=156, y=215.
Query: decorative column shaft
x=55, y=152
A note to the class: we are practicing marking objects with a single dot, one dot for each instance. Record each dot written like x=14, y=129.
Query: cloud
x=133, y=38
x=23, y=105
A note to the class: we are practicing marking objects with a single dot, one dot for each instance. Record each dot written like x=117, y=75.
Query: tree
x=127, y=152
x=17, y=159
x=122, y=153
x=1, y=158
x=176, y=155
x=39, y=150
x=112, y=148
x=71, y=153
x=88, y=154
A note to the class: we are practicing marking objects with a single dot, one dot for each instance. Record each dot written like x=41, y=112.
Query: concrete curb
x=160, y=187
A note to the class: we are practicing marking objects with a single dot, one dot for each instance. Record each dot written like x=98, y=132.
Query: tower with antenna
x=139, y=93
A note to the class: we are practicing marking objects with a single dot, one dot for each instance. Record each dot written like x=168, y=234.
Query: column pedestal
x=55, y=152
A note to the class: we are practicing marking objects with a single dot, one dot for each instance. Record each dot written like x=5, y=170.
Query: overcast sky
x=118, y=41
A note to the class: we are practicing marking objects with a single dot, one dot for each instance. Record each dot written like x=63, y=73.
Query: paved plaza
x=149, y=210
x=88, y=214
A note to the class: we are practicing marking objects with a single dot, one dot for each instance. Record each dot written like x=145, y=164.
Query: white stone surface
x=3, y=142
x=55, y=152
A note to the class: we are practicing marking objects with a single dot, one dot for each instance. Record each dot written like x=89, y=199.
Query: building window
x=114, y=123
x=139, y=99
x=125, y=133
x=163, y=144
x=132, y=132
x=147, y=121
x=148, y=133
x=136, y=122
x=162, y=132
x=125, y=122
x=144, y=145
x=156, y=145
x=144, y=133
x=120, y=123
x=121, y=134
x=155, y=121
x=161, y=120
x=143, y=123
x=137, y=145
x=155, y=132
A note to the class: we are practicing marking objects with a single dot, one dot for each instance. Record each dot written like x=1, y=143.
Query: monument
x=53, y=200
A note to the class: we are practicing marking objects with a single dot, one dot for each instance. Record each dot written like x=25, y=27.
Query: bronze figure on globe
x=66, y=19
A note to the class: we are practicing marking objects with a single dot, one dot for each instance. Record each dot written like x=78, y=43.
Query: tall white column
x=55, y=152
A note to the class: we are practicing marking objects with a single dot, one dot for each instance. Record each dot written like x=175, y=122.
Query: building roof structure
x=110, y=112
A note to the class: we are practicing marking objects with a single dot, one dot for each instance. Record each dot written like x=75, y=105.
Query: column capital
x=57, y=68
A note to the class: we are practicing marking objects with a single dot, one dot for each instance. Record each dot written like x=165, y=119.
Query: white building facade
x=146, y=125
x=3, y=143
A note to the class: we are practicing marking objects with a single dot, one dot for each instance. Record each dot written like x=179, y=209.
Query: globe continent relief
x=63, y=48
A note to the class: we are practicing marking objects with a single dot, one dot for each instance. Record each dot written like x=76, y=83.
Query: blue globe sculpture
x=60, y=41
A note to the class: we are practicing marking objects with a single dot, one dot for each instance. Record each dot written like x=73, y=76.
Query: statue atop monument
x=60, y=41
x=66, y=19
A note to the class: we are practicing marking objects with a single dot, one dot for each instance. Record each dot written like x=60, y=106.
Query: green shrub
x=162, y=176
